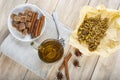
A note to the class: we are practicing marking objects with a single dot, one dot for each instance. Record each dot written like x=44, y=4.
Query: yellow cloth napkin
x=111, y=42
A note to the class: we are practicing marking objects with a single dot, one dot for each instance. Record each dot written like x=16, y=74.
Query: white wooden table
x=92, y=67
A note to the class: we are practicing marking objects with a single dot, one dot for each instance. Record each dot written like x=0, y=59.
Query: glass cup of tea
x=50, y=50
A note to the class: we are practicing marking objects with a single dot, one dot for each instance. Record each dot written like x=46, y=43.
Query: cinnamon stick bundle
x=39, y=26
x=65, y=64
x=67, y=59
x=33, y=19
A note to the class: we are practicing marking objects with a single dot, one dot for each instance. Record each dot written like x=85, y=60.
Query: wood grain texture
x=87, y=64
x=107, y=68
x=81, y=73
x=48, y=5
x=0, y=54
x=31, y=76
x=69, y=11
x=113, y=4
x=24, y=50
x=10, y=70
x=5, y=7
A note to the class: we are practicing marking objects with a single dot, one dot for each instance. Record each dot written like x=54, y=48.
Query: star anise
x=76, y=63
x=78, y=53
x=59, y=76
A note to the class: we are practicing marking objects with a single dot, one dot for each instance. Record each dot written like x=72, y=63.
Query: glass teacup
x=50, y=50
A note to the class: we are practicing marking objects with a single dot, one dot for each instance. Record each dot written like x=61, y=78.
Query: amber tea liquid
x=50, y=50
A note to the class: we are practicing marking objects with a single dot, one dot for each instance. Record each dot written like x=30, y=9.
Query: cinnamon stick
x=36, y=31
x=67, y=59
x=41, y=25
x=33, y=19
x=35, y=28
x=66, y=69
x=77, y=52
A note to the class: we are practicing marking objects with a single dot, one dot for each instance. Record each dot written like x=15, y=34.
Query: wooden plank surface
x=9, y=69
x=5, y=7
x=25, y=50
x=80, y=73
x=107, y=68
x=4, y=32
x=70, y=16
x=48, y=5
x=88, y=63
x=113, y=4
x=31, y=76
x=93, y=58
x=69, y=10
x=8, y=72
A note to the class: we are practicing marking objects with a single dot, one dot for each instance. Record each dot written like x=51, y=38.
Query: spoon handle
x=55, y=18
